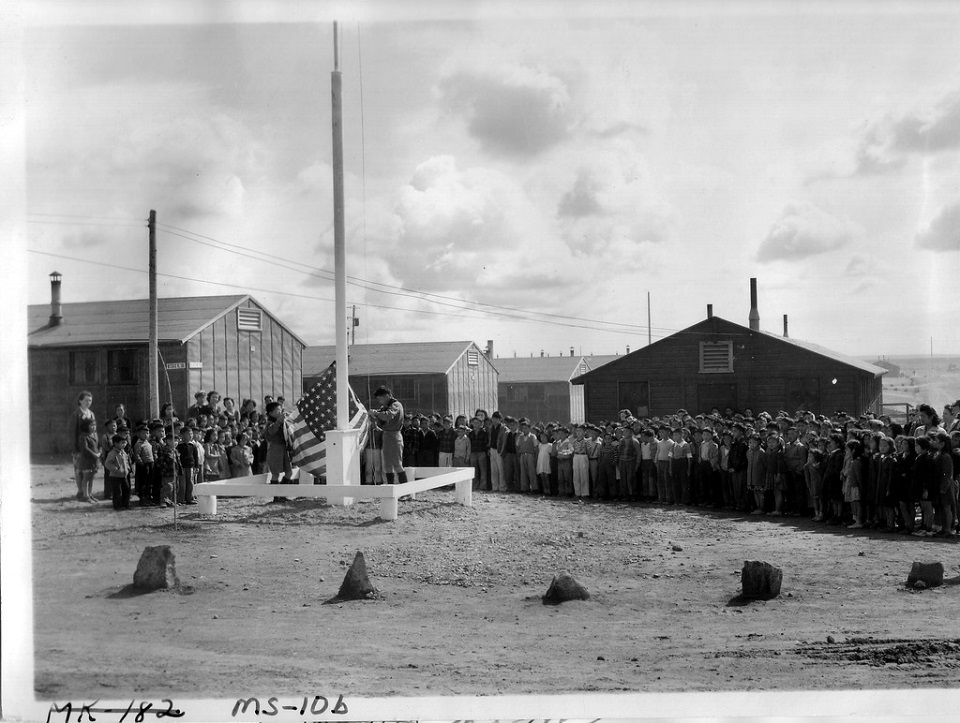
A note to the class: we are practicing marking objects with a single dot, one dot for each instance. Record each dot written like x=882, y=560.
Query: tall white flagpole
x=339, y=241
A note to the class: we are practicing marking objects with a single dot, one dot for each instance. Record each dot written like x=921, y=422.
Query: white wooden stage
x=420, y=479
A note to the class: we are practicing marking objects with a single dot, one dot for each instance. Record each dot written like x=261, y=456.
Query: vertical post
x=339, y=245
x=153, y=349
x=343, y=459
x=649, y=328
x=353, y=326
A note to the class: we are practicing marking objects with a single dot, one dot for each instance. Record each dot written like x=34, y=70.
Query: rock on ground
x=356, y=583
x=157, y=569
x=930, y=573
x=760, y=580
x=565, y=587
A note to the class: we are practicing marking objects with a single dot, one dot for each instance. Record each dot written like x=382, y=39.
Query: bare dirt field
x=461, y=610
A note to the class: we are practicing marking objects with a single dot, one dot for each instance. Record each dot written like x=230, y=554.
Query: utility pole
x=649, y=330
x=153, y=347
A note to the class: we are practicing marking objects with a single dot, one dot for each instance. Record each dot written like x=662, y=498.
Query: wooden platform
x=420, y=479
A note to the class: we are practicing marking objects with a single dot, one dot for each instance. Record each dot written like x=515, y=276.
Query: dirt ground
x=461, y=610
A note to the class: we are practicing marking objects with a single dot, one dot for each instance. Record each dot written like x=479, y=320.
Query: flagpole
x=339, y=245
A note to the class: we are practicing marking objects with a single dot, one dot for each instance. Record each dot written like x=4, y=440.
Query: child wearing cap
x=581, y=463
x=118, y=464
x=143, y=460
x=628, y=456
x=527, y=443
x=664, y=457
x=446, y=441
x=461, y=448
x=563, y=443
x=608, y=460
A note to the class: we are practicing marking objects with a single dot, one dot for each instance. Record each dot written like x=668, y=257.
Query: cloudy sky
x=526, y=177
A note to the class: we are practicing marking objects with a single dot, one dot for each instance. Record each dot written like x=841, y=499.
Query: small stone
x=564, y=587
x=861, y=554
x=579, y=534
x=600, y=657
x=356, y=583
x=831, y=639
x=760, y=580
x=929, y=573
x=677, y=548
x=213, y=557
x=157, y=569
x=216, y=617
x=919, y=585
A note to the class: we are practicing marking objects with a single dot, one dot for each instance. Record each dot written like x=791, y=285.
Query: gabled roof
x=542, y=368
x=707, y=325
x=411, y=358
x=835, y=356
x=118, y=322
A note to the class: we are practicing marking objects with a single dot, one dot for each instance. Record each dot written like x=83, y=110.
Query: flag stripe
x=316, y=414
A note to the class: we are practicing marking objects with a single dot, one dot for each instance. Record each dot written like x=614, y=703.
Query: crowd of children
x=866, y=473
x=863, y=473
x=161, y=460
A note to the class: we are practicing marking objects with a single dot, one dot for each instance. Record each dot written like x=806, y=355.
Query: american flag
x=316, y=413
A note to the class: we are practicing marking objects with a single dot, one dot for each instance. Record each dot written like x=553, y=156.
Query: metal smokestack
x=754, y=312
x=709, y=311
x=785, y=334
x=56, y=308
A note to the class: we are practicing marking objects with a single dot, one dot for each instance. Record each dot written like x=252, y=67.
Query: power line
x=245, y=287
x=389, y=289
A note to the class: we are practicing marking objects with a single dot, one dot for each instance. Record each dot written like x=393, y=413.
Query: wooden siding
x=53, y=396
x=767, y=374
x=235, y=363
x=538, y=401
x=471, y=387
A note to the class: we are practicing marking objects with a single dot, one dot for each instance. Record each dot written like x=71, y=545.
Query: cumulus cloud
x=943, y=233
x=888, y=141
x=513, y=110
x=612, y=213
x=581, y=200
x=802, y=231
x=474, y=231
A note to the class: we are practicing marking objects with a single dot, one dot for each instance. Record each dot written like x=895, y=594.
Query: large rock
x=157, y=569
x=929, y=573
x=565, y=587
x=356, y=583
x=760, y=580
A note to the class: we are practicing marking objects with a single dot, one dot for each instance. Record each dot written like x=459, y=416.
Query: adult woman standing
x=83, y=411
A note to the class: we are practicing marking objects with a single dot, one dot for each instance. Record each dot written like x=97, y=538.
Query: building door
x=720, y=396
x=634, y=396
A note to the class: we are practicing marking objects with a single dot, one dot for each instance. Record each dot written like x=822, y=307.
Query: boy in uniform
x=118, y=464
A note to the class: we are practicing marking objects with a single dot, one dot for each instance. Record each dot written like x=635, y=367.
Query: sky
x=521, y=174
